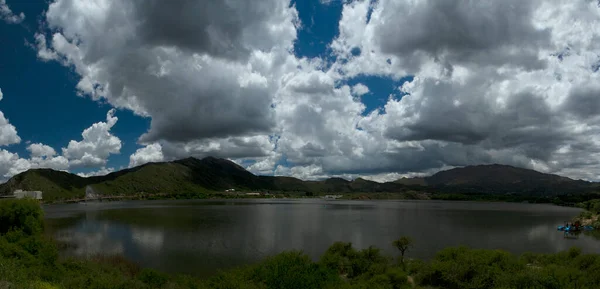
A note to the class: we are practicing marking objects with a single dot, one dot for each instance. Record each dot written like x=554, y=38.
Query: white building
x=20, y=194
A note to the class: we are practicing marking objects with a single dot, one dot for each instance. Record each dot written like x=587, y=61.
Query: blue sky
x=319, y=28
x=41, y=100
x=243, y=81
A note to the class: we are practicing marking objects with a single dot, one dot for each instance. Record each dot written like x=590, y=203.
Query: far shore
x=329, y=196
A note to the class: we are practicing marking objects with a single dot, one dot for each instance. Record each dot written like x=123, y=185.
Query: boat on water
x=574, y=227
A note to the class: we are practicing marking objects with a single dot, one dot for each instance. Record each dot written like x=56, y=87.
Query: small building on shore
x=20, y=194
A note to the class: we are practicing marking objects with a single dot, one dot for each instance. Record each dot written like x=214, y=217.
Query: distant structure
x=20, y=194
x=252, y=194
x=90, y=194
x=332, y=196
x=230, y=190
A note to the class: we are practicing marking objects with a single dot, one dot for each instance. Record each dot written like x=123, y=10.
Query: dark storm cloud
x=187, y=64
x=584, y=102
x=483, y=32
x=218, y=28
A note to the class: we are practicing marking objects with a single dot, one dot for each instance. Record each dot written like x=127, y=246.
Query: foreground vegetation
x=30, y=260
x=590, y=216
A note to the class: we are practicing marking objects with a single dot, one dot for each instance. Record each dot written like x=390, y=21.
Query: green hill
x=188, y=175
x=501, y=179
x=58, y=184
x=210, y=174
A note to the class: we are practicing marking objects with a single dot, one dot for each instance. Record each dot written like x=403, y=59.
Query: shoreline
x=343, y=196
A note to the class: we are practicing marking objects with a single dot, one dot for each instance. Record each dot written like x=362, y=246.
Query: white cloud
x=11, y=164
x=93, y=151
x=360, y=89
x=8, y=16
x=264, y=165
x=147, y=154
x=42, y=156
x=43, y=52
x=209, y=74
x=101, y=172
x=41, y=150
x=8, y=132
x=509, y=107
x=97, y=145
x=510, y=82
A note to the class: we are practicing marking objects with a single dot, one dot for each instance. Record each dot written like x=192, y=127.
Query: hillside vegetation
x=30, y=260
x=210, y=175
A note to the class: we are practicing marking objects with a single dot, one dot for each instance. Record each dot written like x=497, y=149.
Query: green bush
x=339, y=257
x=23, y=214
x=293, y=270
x=468, y=268
x=153, y=278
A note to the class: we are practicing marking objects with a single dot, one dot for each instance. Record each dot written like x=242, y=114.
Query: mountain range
x=216, y=175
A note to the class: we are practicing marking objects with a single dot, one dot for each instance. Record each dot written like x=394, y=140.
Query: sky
x=379, y=89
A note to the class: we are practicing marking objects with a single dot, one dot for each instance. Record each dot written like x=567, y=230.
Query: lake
x=201, y=237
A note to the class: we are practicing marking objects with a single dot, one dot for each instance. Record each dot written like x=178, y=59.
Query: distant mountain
x=412, y=181
x=213, y=174
x=60, y=184
x=500, y=179
x=187, y=175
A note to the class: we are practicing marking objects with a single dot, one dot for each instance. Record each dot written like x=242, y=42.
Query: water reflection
x=201, y=237
x=148, y=238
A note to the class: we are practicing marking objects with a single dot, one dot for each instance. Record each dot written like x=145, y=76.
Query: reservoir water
x=202, y=237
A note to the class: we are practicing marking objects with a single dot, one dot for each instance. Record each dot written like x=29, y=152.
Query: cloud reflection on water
x=201, y=237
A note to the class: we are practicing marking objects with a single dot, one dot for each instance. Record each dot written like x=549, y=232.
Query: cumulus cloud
x=41, y=156
x=486, y=90
x=93, y=151
x=44, y=156
x=11, y=164
x=41, y=150
x=360, y=89
x=206, y=73
x=510, y=82
x=8, y=132
x=8, y=16
x=43, y=52
x=481, y=33
x=147, y=154
x=101, y=172
x=97, y=145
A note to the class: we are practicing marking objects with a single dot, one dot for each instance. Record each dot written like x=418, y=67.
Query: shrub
x=153, y=278
x=125, y=266
x=467, y=268
x=23, y=214
x=293, y=270
x=339, y=257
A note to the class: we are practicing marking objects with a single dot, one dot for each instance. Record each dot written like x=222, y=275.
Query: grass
x=30, y=260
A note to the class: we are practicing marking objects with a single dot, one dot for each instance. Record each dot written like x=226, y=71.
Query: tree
x=403, y=244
